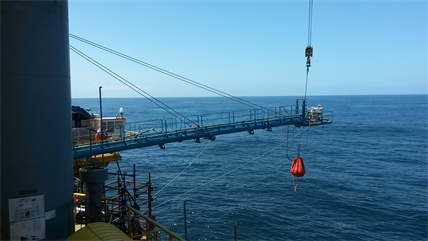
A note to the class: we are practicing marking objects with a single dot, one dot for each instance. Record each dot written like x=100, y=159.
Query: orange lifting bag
x=298, y=168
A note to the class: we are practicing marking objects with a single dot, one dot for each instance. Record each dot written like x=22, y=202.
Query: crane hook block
x=309, y=50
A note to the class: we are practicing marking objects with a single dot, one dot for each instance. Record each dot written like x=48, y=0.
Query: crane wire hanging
x=287, y=148
x=143, y=93
x=171, y=74
x=309, y=48
x=311, y=4
x=308, y=55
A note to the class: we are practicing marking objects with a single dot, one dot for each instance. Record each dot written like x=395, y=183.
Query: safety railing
x=328, y=116
x=164, y=127
x=153, y=234
x=132, y=219
x=159, y=132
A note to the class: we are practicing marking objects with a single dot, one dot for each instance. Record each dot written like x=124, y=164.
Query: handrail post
x=233, y=113
x=122, y=131
x=90, y=147
x=185, y=221
x=236, y=231
x=149, y=194
x=102, y=131
x=162, y=125
x=229, y=116
x=129, y=223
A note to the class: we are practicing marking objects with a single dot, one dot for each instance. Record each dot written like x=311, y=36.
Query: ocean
x=366, y=174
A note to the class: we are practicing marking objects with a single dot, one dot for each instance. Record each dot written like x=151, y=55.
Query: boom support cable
x=133, y=87
x=171, y=74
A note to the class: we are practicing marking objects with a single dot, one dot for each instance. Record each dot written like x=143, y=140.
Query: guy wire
x=171, y=74
x=196, y=158
x=212, y=180
x=131, y=86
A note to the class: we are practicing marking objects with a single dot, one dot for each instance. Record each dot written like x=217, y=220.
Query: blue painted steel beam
x=207, y=132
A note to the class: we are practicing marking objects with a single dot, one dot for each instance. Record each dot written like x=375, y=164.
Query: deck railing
x=151, y=224
x=153, y=235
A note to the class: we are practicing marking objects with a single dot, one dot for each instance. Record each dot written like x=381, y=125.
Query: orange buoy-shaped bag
x=298, y=168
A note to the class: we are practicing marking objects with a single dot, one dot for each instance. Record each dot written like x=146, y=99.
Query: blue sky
x=252, y=48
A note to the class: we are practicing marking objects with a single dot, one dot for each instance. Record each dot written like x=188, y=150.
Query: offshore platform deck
x=137, y=135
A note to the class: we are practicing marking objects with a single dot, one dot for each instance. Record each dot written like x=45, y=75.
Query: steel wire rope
x=195, y=83
x=200, y=153
x=306, y=85
x=171, y=74
x=298, y=140
x=311, y=4
x=287, y=149
x=132, y=86
x=242, y=165
x=308, y=62
x=307, y=137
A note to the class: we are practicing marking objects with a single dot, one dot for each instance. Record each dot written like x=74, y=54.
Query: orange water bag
x=298, y=168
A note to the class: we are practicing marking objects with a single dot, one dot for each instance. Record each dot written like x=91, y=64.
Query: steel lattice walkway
x=138, y=140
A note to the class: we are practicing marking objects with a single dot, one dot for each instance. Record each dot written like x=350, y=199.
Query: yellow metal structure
x=81, y=162
x=92, y=230
x=99, y=231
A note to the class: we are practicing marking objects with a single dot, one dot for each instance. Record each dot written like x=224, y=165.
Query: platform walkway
x=134, y=139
